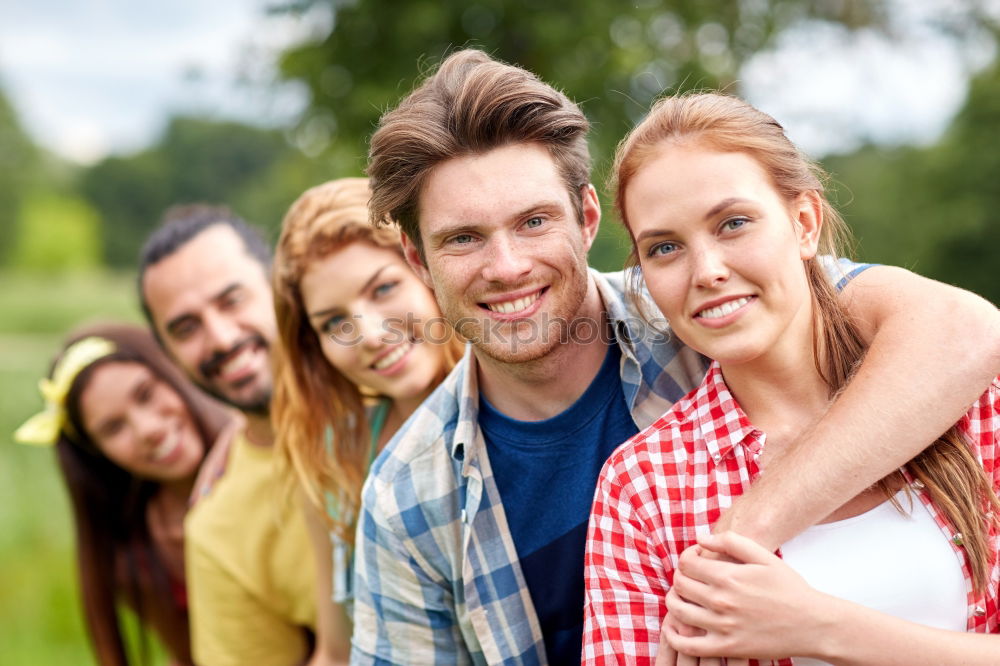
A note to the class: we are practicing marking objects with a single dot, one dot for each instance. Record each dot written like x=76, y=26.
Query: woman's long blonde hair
x=311, y=398
x=949, y=469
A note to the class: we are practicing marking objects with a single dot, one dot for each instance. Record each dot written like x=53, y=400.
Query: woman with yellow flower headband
x=130, y=435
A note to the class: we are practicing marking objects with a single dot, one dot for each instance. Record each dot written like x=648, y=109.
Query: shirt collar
x=467, y=393
x=719, y=421
x=627, y=327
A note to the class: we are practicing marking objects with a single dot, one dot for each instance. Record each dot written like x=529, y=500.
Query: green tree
x=613, y=58
x=57, y=232
x=255, y=171
x=19, y=161
x=934, y=209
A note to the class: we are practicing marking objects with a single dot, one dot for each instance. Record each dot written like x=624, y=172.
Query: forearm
x=333, y=627
x=934, y=349
x=625, y=582
x=860, y=636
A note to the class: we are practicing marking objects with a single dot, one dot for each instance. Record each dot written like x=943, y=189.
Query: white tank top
x=898, y=564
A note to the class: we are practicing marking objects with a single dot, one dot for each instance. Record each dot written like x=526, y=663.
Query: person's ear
x=591, y=210
x=807, y=213
x=416, y=260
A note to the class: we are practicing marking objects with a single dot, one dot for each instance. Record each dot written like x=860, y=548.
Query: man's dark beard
x=208, y=368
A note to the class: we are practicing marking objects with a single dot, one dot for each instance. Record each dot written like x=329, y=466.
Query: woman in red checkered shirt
x=731, y=230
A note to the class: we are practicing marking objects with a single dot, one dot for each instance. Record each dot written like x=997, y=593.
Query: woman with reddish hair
x=361, y=344
x=731, y=232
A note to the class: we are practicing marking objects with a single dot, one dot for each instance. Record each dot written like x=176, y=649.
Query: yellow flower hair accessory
x=43, y=428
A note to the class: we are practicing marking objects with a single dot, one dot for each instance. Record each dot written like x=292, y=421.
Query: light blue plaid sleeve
x=411, y=620
x=842, y=270
x=404, y=612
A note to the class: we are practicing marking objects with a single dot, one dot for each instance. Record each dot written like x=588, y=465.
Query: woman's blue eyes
x=379, y=291
x=384, y=288
x=331, y=324
x=662, y=249
x=669, y=247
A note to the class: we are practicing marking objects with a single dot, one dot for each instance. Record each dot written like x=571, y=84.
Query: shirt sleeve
x=982, y=425
x=402, y=614
x=625, y=580
x=229, y=625
x=841, y=270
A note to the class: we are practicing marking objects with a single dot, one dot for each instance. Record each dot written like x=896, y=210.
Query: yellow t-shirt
x=250, y=573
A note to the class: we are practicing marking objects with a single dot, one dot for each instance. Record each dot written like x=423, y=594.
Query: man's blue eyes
x=465, y=239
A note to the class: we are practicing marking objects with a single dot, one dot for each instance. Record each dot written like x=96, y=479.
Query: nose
x=506, y=260
x=222, y=334
x=373, y=328
x=148, y=425
x=710, y=268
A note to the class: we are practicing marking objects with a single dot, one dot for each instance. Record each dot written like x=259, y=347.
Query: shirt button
x=918, y=484
x=717, y=458
x=979, y=611
x=956, y=539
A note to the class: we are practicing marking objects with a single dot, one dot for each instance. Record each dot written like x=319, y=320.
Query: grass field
x=40, y=618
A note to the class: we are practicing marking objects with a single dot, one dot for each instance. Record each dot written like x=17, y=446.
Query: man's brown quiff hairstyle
x=472, y=104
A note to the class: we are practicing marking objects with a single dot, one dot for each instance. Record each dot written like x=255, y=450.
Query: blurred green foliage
x=18, y=162
x=40, y=614
x=195, y=160
x=933, y=209
x=613, y=59
x=57, y=232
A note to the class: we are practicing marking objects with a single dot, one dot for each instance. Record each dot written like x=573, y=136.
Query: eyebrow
x=723, y=205
x=178, y=320
x=715, y=210
x=374, y=278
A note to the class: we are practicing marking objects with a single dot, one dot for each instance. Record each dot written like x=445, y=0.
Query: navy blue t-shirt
x=546, y=472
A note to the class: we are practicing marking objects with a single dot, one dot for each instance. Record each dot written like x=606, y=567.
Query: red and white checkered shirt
x=671, y=481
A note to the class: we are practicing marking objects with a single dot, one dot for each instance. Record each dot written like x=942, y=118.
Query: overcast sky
x=89, y=77
x=92, y=76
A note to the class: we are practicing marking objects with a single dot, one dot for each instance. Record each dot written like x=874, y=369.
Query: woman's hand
x=753, y=606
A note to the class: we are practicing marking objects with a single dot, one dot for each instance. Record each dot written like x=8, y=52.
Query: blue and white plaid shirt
x=437, y=575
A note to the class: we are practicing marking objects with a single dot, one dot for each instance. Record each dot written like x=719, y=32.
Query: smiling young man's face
x=212, y=307
x=503, y=249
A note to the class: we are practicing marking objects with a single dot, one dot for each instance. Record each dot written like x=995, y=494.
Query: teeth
x=166, y=447
x=392, y=357
x=724, y=309
x=514, y=306
x=238, y=363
